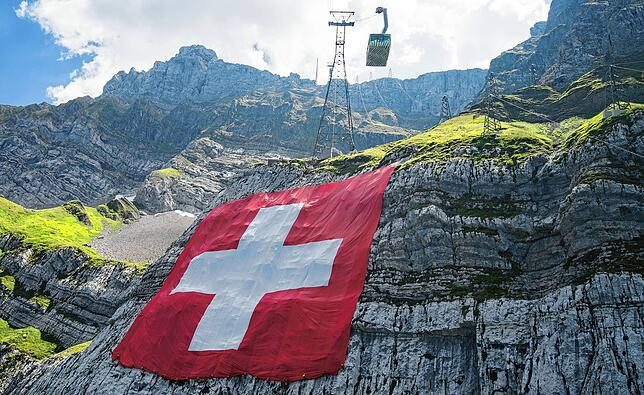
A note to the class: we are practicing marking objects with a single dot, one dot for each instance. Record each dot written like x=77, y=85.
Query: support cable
x=553, y=121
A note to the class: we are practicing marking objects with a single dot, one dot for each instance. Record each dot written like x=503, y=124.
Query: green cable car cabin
x=379, y=44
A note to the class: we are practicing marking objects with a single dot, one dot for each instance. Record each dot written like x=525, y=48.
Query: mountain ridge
x=93, y=149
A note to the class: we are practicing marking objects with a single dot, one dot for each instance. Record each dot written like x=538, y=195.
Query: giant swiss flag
x=266, y=286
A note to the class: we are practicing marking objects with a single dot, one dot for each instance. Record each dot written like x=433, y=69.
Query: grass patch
x=73, y=350
x=462, y=137
x=584, y=97
x=8, y=282
x=51, y=228
x=168, y=172
x=459, y=137
x=596, y=126
x=57, y=228
x=27, y=340
x=41, y=300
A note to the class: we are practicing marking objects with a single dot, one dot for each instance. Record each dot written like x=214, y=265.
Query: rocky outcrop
x=255, y=129
x=205, y=169
x=87, y=150
x=416, y=103
x=578, y=36
x=82, y=296
x=482, y=278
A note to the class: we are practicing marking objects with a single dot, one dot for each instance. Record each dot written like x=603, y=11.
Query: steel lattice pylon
x=332, y=135
x=446, y=112
x=490, y=123
x=615, y=101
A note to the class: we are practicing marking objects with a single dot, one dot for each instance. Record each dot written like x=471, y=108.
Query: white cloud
x=279, y=35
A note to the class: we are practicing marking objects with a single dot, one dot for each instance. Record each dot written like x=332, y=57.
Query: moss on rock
x=107, y=213
x=124, y=209
x=76, y=208
x=168, y=172
x=8, y=282
x=459, y=137
x=462, y=138
x=41, y=300
x=55, y=228
x=73, y=350
x=27, y=340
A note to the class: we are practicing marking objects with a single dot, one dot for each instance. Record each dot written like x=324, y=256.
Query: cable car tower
x=328, y=137
x=446, y=113
x=491, y=124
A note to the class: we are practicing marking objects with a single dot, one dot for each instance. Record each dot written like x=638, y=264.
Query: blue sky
x=29, y=59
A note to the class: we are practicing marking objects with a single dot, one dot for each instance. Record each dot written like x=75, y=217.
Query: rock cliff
x=495, y=269
x=416, y=103
x=579, y=35
x=93, y=149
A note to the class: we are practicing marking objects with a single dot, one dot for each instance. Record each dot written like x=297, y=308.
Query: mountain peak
x=198, y=51
x=195, y=74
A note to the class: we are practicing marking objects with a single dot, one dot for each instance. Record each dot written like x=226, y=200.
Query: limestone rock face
x=417, y=102
x=579, y=36
x=94, y=149
x=82, y=296
x=481, y=279
x=254, y=129
x=205, y=169
x=195, y=74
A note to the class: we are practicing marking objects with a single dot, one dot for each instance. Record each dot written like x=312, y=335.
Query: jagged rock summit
x=196, y=75
x=578, y=36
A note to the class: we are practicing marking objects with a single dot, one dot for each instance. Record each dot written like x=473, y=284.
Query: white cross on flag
x=266, y=285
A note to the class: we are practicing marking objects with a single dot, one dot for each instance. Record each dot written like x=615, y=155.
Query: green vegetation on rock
x=168, y=172
x=27, y=340
x=462, y=137
x=584, y=97
x=52, y=228
x=107, y=213
x=459, y=137
x=470, y=205
x=125, y=210
x=76, y=208
x=73, y=350
x=8, y=282
x=596, y=126
x=41, y=300
x=57, y=228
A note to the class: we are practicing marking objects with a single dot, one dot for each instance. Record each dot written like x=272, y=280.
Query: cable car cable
x=380, y=94
x=553, y=121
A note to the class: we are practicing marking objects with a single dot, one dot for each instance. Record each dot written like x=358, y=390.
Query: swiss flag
x=266, y=286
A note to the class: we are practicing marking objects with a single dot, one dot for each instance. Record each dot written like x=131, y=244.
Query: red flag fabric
x=267, y=286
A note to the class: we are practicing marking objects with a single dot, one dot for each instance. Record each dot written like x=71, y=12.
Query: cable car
x=379, y=44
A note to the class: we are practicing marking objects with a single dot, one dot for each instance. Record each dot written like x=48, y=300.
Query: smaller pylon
x=390, y=73
x=615, y=105
x=446, y=113
x=490, y=123
x=317, y=67
x=533, y=74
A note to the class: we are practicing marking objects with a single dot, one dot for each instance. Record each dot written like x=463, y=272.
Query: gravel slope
x=144, y=240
